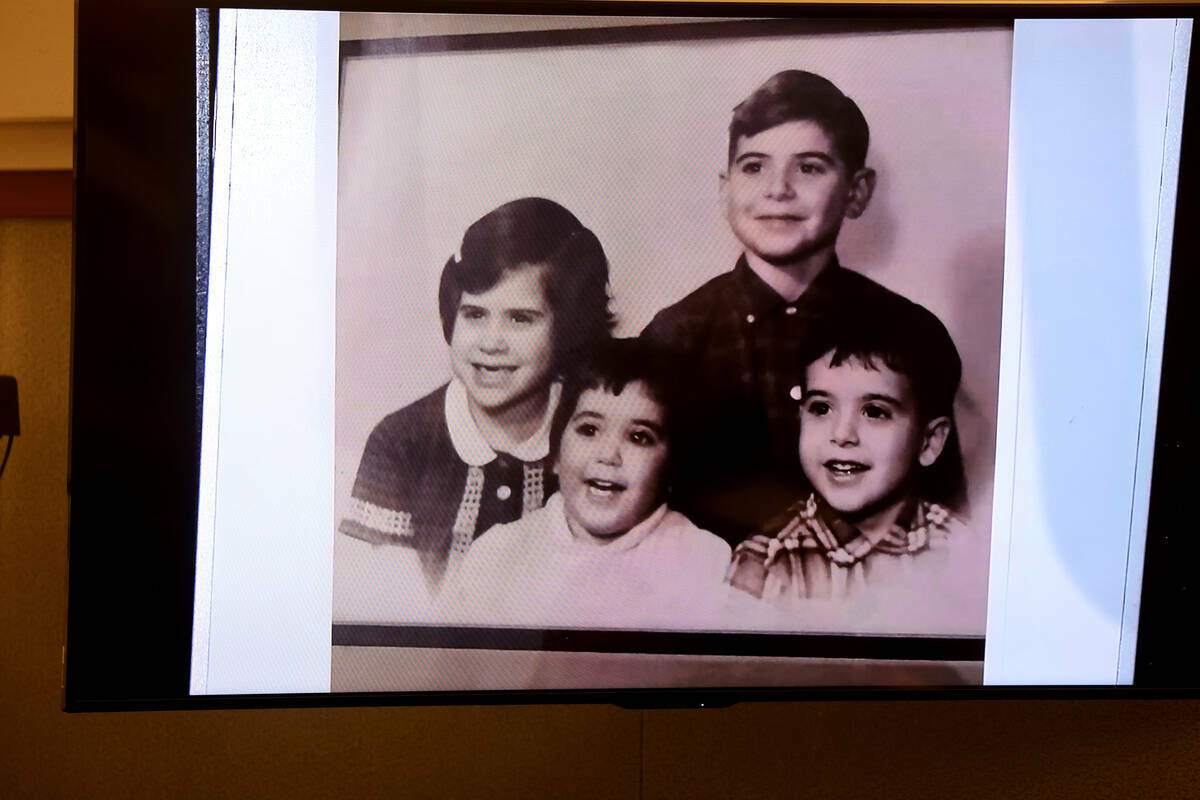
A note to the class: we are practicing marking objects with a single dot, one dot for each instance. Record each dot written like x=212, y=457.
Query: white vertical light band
x=271, y=491
x=1081, y=343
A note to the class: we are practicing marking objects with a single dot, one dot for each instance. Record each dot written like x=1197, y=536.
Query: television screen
x=642, y=357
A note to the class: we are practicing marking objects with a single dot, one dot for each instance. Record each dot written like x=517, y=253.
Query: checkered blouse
x=428, y=481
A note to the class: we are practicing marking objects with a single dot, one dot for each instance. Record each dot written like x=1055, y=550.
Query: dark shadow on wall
x=869, y=242
x=977, y=284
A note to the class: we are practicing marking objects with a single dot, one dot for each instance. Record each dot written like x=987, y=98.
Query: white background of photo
x=631, y=138
x=1078, y=389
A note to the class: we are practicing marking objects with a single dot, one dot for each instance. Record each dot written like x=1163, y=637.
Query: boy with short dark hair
x=879, y=528
x=797, y=170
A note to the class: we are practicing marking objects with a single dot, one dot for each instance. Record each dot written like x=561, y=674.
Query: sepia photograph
x=683, y=327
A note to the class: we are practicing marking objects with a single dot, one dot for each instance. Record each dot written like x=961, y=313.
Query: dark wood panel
x=36, y=193
x=983, y=749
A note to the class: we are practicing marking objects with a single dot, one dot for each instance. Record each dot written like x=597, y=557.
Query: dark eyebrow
x=651, y=424
x=751, y=154
x=585, y=413
x=537, y=312
x=820, y=155
x=886, y=398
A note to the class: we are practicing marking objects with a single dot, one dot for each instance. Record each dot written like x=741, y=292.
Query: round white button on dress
x=796, y=393
x=503, y=492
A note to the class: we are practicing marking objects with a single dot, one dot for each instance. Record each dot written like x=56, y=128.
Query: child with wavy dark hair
x=528, y=288
x=607, y=550
x=883, y=521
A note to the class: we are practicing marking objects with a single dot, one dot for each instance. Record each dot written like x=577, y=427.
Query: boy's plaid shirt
x=810, y=552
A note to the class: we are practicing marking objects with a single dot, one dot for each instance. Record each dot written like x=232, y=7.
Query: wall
x=37, y=90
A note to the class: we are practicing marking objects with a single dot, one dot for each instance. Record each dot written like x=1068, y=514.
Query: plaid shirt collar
x=844, y=532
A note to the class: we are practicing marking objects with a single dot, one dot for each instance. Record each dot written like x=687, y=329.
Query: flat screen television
x=653, y=354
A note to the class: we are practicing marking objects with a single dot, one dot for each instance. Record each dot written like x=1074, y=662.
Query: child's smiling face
x=611, y=461
x=861, y=440
x=788, y=190
x=502, y=345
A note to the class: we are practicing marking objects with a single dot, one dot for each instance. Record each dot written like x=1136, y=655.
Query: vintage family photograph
x=687, y=327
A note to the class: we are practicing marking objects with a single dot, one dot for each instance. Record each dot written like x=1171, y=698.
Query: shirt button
x=790, y=310
x=503, y=492
x=750, y=318
x=796, y=392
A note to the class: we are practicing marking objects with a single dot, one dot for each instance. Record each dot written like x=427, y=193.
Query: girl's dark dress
x=428, y=481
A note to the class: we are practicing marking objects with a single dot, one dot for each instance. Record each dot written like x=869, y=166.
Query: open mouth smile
x=603, y=490
x=845, y=470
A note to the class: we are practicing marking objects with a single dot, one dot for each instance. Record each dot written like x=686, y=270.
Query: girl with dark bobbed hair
x=535, y=231
x=528, y=287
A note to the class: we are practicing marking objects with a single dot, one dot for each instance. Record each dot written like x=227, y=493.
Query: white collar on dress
x=631, y=539
x=469, y=443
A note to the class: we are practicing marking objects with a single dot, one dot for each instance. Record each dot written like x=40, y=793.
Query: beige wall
x=37, y=83
x=37, y=43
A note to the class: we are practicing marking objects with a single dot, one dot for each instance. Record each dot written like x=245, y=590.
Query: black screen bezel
x=137, y=356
